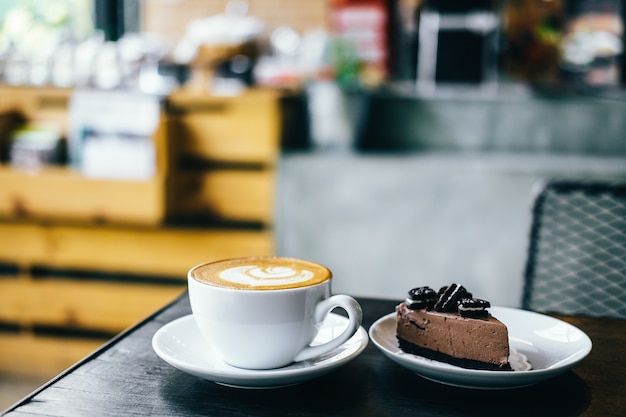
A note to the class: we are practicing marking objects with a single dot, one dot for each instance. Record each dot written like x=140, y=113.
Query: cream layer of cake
x=478, y=343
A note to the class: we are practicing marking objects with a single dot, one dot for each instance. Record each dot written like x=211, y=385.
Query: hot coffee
x=261, y=273
x=266, y=329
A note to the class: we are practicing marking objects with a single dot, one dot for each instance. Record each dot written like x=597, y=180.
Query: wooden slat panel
x=91, y=305
x=23, y=244
x=238, y=138
x=61, y=193
x=236, y=129
x=42, y=357
x=224, y=194
x=160, y=252
x=38, y=104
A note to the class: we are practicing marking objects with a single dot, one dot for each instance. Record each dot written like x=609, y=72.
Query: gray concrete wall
x=385, y=224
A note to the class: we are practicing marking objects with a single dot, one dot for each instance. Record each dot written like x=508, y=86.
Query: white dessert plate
x=180, y=344
x=550, y=345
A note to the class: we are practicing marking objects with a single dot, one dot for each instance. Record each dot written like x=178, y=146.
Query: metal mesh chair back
x=577, y=251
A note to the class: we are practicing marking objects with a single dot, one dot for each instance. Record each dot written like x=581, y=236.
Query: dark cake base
x=442, y=357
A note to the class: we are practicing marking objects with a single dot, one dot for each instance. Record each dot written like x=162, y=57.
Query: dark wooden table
x=126, y=378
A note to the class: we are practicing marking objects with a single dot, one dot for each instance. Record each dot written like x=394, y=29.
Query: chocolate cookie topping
x=473, y=307
x=449, y=298
x=421, y=297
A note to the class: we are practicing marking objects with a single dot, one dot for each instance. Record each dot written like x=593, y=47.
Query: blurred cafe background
x=396, y=141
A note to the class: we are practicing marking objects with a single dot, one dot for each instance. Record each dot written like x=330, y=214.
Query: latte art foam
x=254, y=276
x=261, y=273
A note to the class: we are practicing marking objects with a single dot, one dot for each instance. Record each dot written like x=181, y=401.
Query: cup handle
x=355, y=315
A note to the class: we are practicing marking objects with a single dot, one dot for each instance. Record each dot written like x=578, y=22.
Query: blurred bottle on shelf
x=532, y=34
x=361, y=46
x=403, y=17
x=458, y=44
x=592, y=43
x=576, y=42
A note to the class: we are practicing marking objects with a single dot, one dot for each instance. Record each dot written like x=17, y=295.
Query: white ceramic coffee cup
x=266, y=328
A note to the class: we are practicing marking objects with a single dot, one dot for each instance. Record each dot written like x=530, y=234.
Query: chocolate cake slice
x=452, y=327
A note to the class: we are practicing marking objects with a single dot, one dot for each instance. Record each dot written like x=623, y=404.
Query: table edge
x=106, y=346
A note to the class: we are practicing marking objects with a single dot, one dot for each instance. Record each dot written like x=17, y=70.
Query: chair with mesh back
x=577, y=253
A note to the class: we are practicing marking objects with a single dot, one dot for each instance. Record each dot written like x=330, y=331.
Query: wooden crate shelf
x=94, y=256
x=242, y=134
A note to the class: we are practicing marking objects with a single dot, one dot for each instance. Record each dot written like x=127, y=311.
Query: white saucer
x=180, y=344
x=551, y=346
